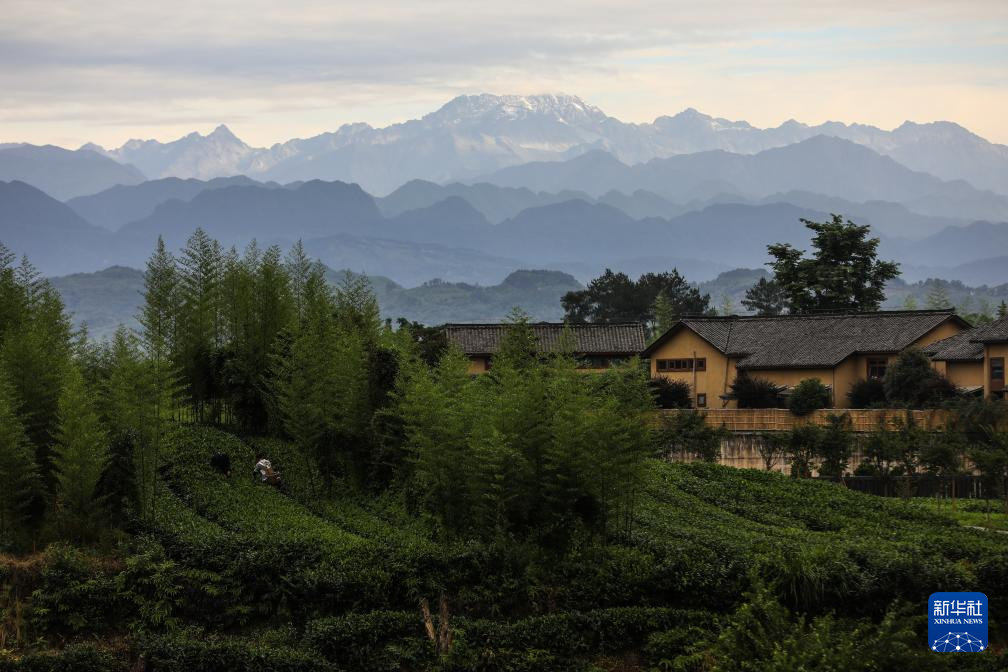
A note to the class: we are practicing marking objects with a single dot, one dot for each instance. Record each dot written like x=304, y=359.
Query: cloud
x=102, y=70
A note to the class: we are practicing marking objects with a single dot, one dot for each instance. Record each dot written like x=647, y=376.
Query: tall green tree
x=614, y=297
x=79, y=458
x=518, y=348
x=533, y=451
x=843, y=273
x=199, y=327
x=257, y=308
x=159, y=319
x=765, y=298
x=35, y=351
x=18, y=471
x=664, y=314
x=937, y=296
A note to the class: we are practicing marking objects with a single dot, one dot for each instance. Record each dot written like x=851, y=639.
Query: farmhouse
x=994, y=338
x=595, y=346
x=974, y=359
x=959, y=358
x=838, y=349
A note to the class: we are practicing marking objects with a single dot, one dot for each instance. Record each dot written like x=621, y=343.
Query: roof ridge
x=823, y=315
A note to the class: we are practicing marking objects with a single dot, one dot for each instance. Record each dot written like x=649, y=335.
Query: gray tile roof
x=958, y=348
x=625, y=339
x=810, y=341
x=996, y=332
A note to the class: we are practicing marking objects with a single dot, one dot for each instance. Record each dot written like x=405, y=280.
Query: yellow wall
x=720, y=372
x=964, y=374
x=943, y=330
x=685, y=344
x=478, y=365
x=992, y=350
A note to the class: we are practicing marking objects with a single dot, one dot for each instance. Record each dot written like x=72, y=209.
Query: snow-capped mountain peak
x=474, y=135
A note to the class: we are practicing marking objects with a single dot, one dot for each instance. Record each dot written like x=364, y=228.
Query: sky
x=76, y=71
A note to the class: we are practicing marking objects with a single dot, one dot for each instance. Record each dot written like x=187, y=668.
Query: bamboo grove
x=264, y=343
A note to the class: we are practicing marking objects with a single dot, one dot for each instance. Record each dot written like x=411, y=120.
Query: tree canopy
x=843, y=273
x=653, y=298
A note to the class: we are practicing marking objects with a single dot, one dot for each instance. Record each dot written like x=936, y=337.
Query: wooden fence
x=781, y=419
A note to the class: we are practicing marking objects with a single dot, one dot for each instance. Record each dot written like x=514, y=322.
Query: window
x=681, y=364
x=876, y=367
x=997, y=373
x=701, y=400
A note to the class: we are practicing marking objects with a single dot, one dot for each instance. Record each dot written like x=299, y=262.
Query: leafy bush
x=74, y=592
x=834, y=446
x=687, y=433
x=186, y=652
x=73, y=658
x=809, y=395
x=671, y=393
x=396, y=640
x=867, y=393
x=752, y=392
x=803, y=447
x=764, y=635
x=911, y=381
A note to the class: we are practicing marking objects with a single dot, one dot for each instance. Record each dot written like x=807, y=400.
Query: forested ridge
x=424, y=518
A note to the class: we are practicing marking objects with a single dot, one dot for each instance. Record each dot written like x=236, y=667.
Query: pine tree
x=664, y=313
x=79, y=458
x=965, y=306
x=727, y=306
x=35, y=348
x=306, y=379
x=200, y=327
x=518, y=347
x=18, y=472
x=937, y=296
x=159, y=322
x=127, y=393
x=299, y=269
x=1002, y=311
x=765, y=298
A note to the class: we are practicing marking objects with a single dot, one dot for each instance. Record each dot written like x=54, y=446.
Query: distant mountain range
x=822, y=165
x=113, y=296
x=62, y=173
x=452, y=240
x=491, y=184
x=477, y=135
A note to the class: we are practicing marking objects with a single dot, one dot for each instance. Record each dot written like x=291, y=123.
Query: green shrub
x=74, y=592
x=73, y=658
x=211, y=653
x=687, y=433
x=753, y=392
x=868, y=393
x=377, y=640
x=561, y=641
x=911, y=381
x=809, y=395
x=671, y=393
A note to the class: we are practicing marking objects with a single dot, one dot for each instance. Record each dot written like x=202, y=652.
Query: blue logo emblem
x=957, y=622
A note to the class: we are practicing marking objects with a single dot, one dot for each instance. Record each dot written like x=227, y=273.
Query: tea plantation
x=718, y=569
